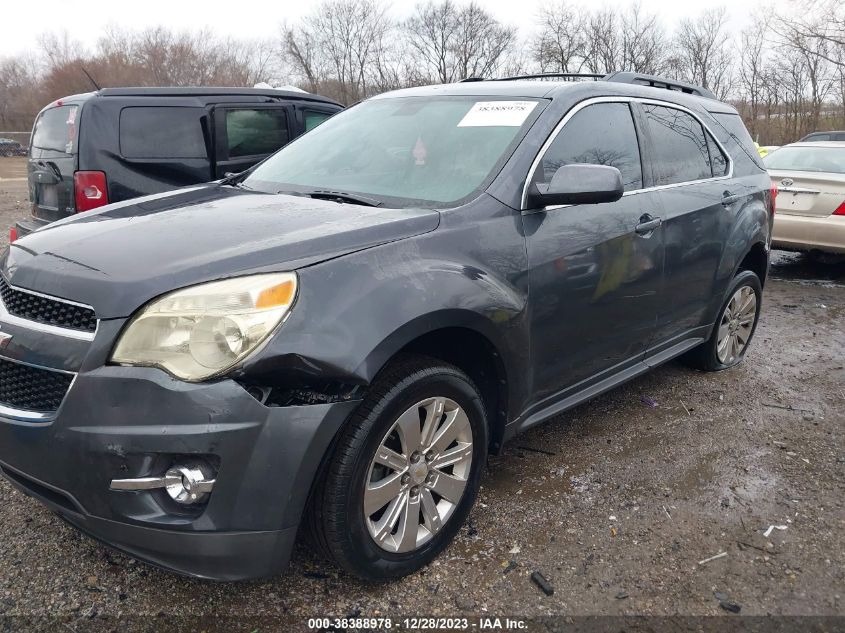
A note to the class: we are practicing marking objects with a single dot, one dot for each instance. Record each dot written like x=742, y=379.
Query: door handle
x=647, y=225
x=728, y=199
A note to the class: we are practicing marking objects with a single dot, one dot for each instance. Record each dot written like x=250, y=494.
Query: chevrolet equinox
x=332, y=342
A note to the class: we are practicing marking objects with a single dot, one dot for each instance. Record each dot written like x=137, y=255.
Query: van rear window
x=162, y=132
x=55, y=130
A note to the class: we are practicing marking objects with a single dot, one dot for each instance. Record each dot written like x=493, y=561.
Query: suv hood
x=128, y=253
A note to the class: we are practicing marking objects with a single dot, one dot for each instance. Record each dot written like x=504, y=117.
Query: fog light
x=185, y=483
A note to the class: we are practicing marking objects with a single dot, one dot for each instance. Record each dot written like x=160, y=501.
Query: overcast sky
x=24, y=20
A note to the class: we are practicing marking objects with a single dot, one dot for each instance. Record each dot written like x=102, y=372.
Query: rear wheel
x=734, y=326
x=405, y=471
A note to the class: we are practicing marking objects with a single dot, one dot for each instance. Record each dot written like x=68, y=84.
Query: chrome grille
x=55, y=312
x=32, y=388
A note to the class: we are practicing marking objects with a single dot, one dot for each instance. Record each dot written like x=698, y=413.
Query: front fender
x=354, y=313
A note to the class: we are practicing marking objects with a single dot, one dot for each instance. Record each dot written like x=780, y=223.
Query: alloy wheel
x=418, y=475
x=736, y=325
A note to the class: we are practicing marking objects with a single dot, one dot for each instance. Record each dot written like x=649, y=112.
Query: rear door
x=246, y=134
x=52, y=162
x=162, y=147
x=699, y=201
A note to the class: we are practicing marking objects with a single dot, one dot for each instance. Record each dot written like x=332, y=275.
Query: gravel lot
x=615, y=503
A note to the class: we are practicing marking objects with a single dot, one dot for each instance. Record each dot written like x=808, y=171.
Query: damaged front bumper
x=121, y=422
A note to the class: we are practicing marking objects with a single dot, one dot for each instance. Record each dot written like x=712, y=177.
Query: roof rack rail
x=564, y=76
x=620, y=77
x=654, y=81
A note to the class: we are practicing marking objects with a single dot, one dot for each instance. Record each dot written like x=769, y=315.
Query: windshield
x=402, y=151
x=825, y=159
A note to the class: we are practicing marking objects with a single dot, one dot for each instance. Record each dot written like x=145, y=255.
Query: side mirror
x=578, y=184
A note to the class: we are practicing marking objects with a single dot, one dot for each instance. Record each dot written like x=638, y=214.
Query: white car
x=810, y=179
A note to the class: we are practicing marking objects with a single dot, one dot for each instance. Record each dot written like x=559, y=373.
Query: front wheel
x=405, y=472
x=734, y=326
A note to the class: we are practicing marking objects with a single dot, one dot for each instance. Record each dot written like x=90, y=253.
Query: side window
x=680, y=146
x=733, y=125
x=718, y=160
x=255, y=132
x=600, y=134
x=162, y=132
x=314, y=118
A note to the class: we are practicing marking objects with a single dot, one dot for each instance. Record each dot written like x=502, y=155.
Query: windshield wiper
x=342, y=196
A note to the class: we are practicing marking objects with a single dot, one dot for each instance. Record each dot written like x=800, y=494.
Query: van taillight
x=13, y=235
x=840, y=210
x=773, y=194
x=90, y=190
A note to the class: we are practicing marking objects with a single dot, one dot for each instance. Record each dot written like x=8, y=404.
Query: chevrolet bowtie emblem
x=4, y=339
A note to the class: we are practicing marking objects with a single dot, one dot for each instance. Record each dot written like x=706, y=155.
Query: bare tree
x=559, y=44
x=432, y=31
x=752, y=69
x=454, y=42
x=481, y=43
x=702, y=50
x=819, y=21
x=59, y=48
x=604, y=50
x=340, y=44
x=643, y=41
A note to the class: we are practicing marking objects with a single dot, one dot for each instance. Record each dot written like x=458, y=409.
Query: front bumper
x=120, y=422
x=805, y=233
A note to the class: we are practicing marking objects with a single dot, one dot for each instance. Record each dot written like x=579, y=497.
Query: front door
x=595, y=270
x=247, y=134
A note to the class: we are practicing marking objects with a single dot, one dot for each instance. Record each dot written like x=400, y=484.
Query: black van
x=91, y=149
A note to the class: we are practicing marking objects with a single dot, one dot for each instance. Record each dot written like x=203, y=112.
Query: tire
x=709, y=356
x=346, y=491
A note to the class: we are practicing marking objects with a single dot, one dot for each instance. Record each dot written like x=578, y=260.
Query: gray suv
x=332, y=342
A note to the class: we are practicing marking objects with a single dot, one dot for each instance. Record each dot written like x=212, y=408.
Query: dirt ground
x=617, y=503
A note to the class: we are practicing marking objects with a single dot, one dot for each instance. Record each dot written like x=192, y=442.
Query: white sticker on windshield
x=495, y=113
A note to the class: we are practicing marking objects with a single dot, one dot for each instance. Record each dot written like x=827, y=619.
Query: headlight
x=198, y=332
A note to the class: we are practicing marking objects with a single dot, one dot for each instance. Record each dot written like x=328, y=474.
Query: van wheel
x=405, y=471
x=734, y=326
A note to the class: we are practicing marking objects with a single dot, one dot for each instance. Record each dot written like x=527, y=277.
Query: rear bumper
x=799, y=232
x=27, y=226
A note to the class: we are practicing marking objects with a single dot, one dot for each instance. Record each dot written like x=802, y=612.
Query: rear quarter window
x=162, y=132
x=55, y=130
x=733, y=125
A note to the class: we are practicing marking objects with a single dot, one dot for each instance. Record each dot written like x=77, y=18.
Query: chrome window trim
x=35, y=418
x=594, y=100
x=8, y=317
